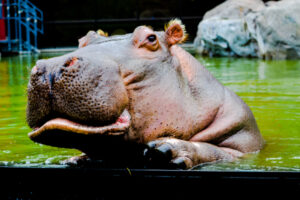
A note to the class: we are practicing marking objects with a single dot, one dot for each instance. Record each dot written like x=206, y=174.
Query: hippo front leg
x=176, y=153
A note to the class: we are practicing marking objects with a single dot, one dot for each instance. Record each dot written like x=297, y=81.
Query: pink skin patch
x=123, y=119
x=71, y=62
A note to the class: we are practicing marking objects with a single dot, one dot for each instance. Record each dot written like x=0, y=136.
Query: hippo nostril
x=71, y=62
x=51, y=77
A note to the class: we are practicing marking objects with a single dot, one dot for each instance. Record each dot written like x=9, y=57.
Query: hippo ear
x=175, y=32
x=102, y=33
x=92, y=37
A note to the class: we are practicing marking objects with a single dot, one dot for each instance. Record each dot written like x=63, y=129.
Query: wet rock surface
x=251, y=29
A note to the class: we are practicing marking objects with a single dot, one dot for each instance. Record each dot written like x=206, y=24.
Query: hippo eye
x=151, y=38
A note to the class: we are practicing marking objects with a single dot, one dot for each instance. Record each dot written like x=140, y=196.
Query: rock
x=224, y=31
x=234, y=9
x=277, y=30
x=234, y=40
x=248, y=28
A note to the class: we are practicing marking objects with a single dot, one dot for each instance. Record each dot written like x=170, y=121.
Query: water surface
x=270, y=88
x=15, y=146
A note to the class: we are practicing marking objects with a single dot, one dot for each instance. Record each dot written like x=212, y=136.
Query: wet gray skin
x=138, y=94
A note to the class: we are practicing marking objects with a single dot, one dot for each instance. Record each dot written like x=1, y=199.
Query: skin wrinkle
x=186, y=61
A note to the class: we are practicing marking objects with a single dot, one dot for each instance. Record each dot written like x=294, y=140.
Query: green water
x=270, y=88
x=15, y=146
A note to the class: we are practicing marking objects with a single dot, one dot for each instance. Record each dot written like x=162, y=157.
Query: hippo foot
x=82, y=161
x=167, y=153
x=76, y=160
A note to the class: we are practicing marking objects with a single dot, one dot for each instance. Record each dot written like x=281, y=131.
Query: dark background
x=65, y=21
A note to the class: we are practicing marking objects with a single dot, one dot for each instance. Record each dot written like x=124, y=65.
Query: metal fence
x=23, y=21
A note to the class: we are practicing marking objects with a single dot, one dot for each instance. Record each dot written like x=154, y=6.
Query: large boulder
x=277, y=30
x=250, y=28
x=234, y=9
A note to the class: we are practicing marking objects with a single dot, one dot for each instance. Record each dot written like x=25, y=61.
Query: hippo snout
x=78, y=88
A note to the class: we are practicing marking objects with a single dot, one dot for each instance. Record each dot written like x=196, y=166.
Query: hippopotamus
x=138, y=94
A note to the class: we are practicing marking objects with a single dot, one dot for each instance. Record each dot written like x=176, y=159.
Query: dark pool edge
x=34, y=178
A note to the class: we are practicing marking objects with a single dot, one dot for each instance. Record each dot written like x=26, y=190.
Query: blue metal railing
x=24, y=21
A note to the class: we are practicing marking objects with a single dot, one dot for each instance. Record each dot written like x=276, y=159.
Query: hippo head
x=110, y=86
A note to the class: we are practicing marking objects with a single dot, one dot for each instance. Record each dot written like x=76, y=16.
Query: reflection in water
x=270, y=88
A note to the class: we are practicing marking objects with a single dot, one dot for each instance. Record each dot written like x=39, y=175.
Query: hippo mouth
x=62, y=132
